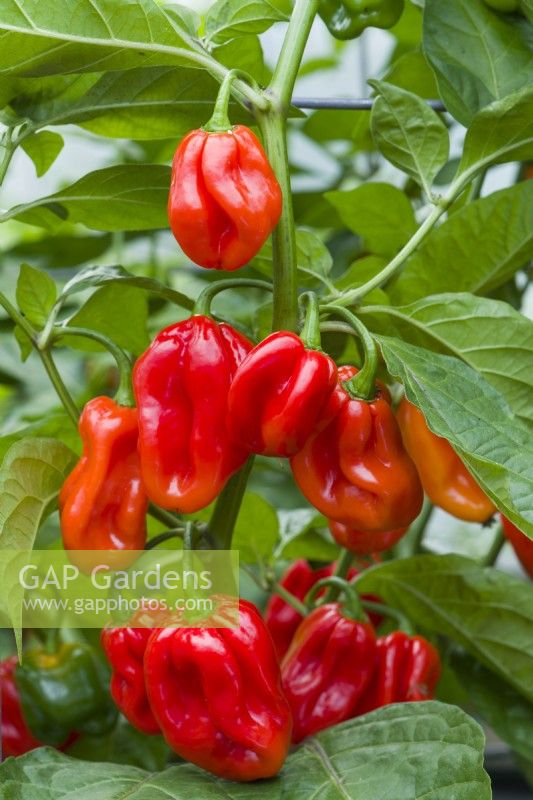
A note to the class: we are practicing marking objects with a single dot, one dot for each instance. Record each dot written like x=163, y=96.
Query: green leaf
x=313, y=257
x=486, y=611
x=501, y=132
x=121, y=198
x=303, y=534
x=49, y=38
x=477, y=249
x=477, y=56
x=487, y=334
x=461, y=406
x=125, y=745
x=227, y=19
x=43, y=148
x=36, y=294
x=58, y=252
x=24, y=342
x=57, y=425
x=120, y=312
x=409, y=751
x=412, y=72
x=378, y=212
x=244, y=53
x=256, y=530
x=409, y=133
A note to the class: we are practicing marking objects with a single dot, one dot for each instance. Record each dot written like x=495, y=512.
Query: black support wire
x=346, y=104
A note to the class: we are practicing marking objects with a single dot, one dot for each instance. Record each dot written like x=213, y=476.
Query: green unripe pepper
x=65, y=692
x=347, y=19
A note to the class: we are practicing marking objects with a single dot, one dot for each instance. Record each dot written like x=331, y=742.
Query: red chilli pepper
x=181, y=386
x=15, y=735
x=224, y=198
x=280, y=395
x=363, y=543
x=522, y=544
x=327, y=669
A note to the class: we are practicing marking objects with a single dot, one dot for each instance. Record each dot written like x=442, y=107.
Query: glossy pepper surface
x=347, y=19
x=445, y=479
x=181, y=386
x=407, y=669
x=327, y=669
x=125, y=649
x=281, y=394
x=216, y=693
x=65, y=691
x=522, y=544
x=364, y=542
x=357, y=471
x=103, y=503
x=15, y=735
x=224, y=198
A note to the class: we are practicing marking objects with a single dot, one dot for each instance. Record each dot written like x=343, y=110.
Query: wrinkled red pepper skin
x=445, y=479
x=407, y=670
x=216, y=693
x=357, y=471
x=281, y=394
x=102, y=502
x=364, y=542
x=224, y=198
x=327, y=669
x=522, y=544
x=282, y=619
x=15, y=735
x=181, y=386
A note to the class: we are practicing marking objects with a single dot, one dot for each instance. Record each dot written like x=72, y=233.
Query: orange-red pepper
x=445, y=479
x=364, y=543
x=522, y=544
x=15, y=735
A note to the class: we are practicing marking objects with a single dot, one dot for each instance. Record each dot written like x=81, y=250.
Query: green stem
x=58, y=384
x=220, y=121
x=310, y=334
x=411, y=543
x=292, y=50
x=361, y=385
x=289, y=598
x=490, y=558
x=10, y=148
x=162, y=515
x=227, y=506
x=341, y=571
x=161, y=538
x=341, y=586
x=205, y=298
x=404, y=624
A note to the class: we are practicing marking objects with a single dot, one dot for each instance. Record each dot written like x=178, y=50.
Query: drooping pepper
x=65, y=691
x=522, y=544
x=282, y=619
x=407, y=670
x=15, y=735
x=125, y=649
x=445, y=479
x=216, y=693
x=357, y=471
x=280, y=395
x=181, y=386
x=224, y=198
x=327, y=669
x=364, y=542
x=103, y=503
x=347, y=19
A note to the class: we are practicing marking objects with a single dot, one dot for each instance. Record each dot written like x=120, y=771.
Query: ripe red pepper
x=522, y=544
x=407, y=669
x=280, y=395
x=445, y=479
x=102, y=502
x=15, y=735
x=356, y=471
x=125, y=649
x=216, y=693
x=181, y=385
x=364, y=542
x=327, y=669
x=224, y=198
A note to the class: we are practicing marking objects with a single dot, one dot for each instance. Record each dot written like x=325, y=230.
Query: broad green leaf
x=487, y=334
x=501, y=132
x=118, y=311
x=477, y=249
x=244, y=53
x=409, y=133
x=378, y=212
x=461, y=406
x=227, y=19
x=120, y=198
x=43, y=148
x=313, y=258
x=486, y=611
x=150, y=103
x=359, y=272
x=256, y=530
x=125, y=745
x=412, y=72
x=58, y=252
x=36, y=294
x=66, y=36
x=303, y=535
x=24, y=343
x=56, y=425
x=409, y=751
x=478, y=56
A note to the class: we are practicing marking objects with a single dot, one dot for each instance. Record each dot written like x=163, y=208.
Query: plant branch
x=227, y=506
